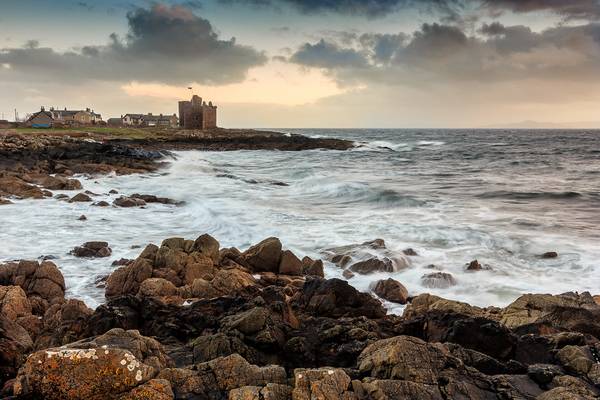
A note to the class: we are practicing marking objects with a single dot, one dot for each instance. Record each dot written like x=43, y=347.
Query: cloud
x=165, y=43
x=442, y=53
x=570, y=9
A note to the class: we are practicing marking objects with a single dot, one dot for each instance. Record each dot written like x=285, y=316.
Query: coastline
x=211, y=309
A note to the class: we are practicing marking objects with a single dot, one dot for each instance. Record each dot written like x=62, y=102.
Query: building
x=76, y=117
x=196, y=114
x=142, y=120
x=114, y=122
x=40, y=119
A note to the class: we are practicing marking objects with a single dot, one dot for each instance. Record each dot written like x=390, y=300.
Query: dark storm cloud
x=165, y=43
x=571, y=9
x=438, y=52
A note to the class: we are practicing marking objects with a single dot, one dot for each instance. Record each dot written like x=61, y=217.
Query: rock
x=104, y=367
x=127, y=279
x=113, y=191
x=101, y=204
x=425, y=303
x=324, y=383
x=597, y=299
x=149, y=198
x=248, y=322
x=4, y=202
x=15, y=343
x=391, y=290
x=125, y=201
x=550, y=254
x=13, y=302
x=62, y=323
x=229, y=281
x=336, y=298
x=265, y=256
x=13, y=186
x=272, y=391
x=410, y=252
x=60, y=183
x=543, y=374
x=372, y=265
x=581, y=361
x=348, y=274
x=121, y=262
x=312, y=267
x=82, y=218
x=208, y=246
x=80, y=198
x=438, y=280
x=219, y=376
x=154, y=389
x=474, y=266
x=290, y=264
x=92, y=249
x=157, y=287
x=341, y=260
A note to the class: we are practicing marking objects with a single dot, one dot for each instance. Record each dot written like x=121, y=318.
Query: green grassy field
x=113, y=132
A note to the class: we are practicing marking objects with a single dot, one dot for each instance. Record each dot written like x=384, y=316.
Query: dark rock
x=348, y=274
x=92, y=249
x=121, y=261
x=80, y=197
x=391, y=290
x=264, y=256
x=82, y=218
x=372, y=265
x=312, y=267
x=101, y=204
x=125, y=201
x=290, y=264
x=550, y=254
x=410, y=252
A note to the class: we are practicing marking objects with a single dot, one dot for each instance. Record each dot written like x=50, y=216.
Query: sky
x=309, y=63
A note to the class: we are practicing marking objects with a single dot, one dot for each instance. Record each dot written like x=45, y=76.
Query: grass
x=105, y=131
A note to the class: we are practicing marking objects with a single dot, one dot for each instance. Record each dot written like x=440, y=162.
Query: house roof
x=46, y=113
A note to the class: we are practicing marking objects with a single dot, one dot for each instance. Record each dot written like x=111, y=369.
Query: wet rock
x=336, y=298
x=13, y=302
x=4, y=202
x=391, y=290
x=15, y=344
x=149, y=198
x=324, y=383
x=80, y=198
x=60, y=183
x=101, y=204
x=127, y=279
x=82, y=218
x=208, y=246
x=62, y=323
x=348, y=274
x=410, y=252
x=92, y=249
x=372, y=265
x=13, y=186
x=543, y=374
x=425, y=303
x=476, y=266
x=121, y=261
x=312, y=267
x=127, y=202
x=105, y=367
x=113, y=191
x=550, y=254
x=438, y=280
x=289, y=264
x=157, y=287
x=265, y=256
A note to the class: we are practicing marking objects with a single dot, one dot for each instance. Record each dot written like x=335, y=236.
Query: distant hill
x=546, y=125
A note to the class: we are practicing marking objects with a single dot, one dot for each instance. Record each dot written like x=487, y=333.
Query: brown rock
x=392, y=290
x=103, y=368
x=438, y=280
x=322, y=384
x=125, y=201
x=424, y=303
x=127, y=280
x=290, y=264
x=208, y=246
x=154, y=389
x=60, y=183
x=101, y=204
x=265, y=256
x=550, y=254
x=348, y=274
x=92, y=249
x=410, y=252
x=474, y=266
x=312, y=267
x=597, y=299
x=80, y=198
x=13, y=302
x=372, y=265
x=15, y=343
x=13, y=186
x=157, y=287
x=82, y=218
x=231, y=280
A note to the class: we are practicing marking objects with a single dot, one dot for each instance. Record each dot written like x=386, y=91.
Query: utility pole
x=16, y=116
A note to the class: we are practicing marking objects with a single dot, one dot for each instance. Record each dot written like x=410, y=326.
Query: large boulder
x=324, y=383
x=220, y=376
x=96, y=249
x=391, y=290
x=127, y=202
x=62, y=323
x=15, y=343
x=336, y=298
x=290, y=264
x=265, y=256
x=102, y=368
x=438, y=280
x=14, y=303
x=425, y=303
x=127, y=279
x=43, y=283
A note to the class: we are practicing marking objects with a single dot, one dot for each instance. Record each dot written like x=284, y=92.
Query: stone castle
x=196, y=114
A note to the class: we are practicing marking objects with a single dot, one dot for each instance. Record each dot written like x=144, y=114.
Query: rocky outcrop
x=367, y=258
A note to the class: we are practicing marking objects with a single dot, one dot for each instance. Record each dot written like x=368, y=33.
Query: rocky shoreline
x=32, y=164
x=191, y=320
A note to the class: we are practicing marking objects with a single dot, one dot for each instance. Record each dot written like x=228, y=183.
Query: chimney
x=87, y=109
x=42, y=108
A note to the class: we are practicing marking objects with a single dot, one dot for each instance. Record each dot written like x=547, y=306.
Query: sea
x=502, y=197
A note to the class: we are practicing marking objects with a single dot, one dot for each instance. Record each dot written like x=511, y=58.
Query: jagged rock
x=92, y=249
x=127, y=279
x=104, y=367
x=569, y=388
x=80, y=198
x=271, y=391
x=229, y=281
x=424, y=303
x=391, y=290
x=477, y=266
x=15, y=343
x=14, y=303
x=289, y=264
x=13, y=186
x=60, y=183
x=220, y=375
x=150, y=198
x=125, y=201
x=208, y=246
x=265, y=256
x=209, y=347
x=43, y=283
x=438, y=280
x=324, y=383
x=312, y=267
x=157, y=287
x=62, y=323
x=336, y=298
x=543, y=374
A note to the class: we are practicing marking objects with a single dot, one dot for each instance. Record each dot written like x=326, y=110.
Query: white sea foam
x=333, y=198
